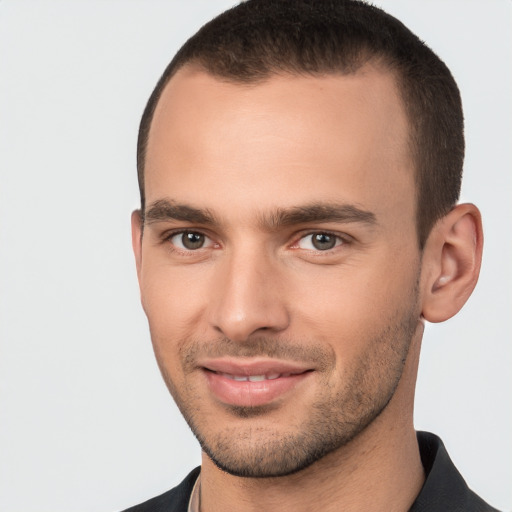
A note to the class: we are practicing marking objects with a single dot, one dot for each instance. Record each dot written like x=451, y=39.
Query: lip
x=228, y=379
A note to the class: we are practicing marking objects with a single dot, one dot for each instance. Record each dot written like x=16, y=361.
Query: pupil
x=323, y=241
x=192, y=240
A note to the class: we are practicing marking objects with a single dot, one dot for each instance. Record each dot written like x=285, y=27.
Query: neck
x=378, y=470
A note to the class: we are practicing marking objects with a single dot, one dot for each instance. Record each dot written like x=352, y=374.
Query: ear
x=137, y=239
x=451, y=262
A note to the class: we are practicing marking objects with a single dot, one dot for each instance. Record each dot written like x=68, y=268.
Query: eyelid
x=167, y=236
x=341, y=237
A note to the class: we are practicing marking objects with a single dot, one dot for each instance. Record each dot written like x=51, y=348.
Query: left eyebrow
x=316, y=212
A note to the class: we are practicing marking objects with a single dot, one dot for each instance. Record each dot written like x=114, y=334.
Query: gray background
x=85, y=421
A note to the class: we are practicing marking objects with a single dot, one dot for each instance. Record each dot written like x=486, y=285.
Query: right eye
x=190, y=240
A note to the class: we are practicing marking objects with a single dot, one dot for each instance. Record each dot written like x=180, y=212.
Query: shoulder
x=175, y=500
x=444, y=488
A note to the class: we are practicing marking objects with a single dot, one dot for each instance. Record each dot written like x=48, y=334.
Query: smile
x=252, y=383
x=254, y=378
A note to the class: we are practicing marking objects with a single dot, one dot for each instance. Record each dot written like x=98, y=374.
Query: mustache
x=308, y=353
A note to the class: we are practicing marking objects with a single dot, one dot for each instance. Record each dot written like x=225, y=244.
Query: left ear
x=451, y=262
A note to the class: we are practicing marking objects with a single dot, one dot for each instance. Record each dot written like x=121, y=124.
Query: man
x=299, y=167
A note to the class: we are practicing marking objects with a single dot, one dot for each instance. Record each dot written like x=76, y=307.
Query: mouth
x=252, y=383
x=255, y=378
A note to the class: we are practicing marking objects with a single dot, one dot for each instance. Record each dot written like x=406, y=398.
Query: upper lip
x=252, y=366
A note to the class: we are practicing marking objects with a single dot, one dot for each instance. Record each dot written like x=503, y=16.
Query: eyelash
x=340, y=241
x=168, y=236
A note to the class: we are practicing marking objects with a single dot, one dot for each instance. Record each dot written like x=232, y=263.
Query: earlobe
x=137, y=239
x=451, y=262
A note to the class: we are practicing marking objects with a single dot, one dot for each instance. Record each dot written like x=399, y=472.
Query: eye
x=189, y=240
x=319, y=242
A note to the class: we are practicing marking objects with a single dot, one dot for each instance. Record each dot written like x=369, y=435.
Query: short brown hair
x=260, y=38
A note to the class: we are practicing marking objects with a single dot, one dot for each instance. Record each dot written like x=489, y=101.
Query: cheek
x=173, y=303
x=355, y=302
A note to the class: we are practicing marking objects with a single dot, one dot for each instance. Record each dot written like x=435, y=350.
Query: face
x=279, y=265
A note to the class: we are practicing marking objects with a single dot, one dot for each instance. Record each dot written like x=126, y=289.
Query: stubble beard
x=335, y=418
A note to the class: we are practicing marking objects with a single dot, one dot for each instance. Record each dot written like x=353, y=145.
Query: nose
x=247, y=297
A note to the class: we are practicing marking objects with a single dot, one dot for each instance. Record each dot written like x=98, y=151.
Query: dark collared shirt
x=444, y=489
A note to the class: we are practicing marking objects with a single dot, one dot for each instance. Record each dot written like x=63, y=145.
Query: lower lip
x=251, y=394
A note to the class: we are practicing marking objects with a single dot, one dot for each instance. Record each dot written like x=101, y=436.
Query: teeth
x=254, y=378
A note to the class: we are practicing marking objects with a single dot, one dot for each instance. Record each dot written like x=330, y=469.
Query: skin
x=243, y=160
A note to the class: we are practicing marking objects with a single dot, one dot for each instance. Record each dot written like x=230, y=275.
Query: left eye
x=319, y=242
x=190, y=240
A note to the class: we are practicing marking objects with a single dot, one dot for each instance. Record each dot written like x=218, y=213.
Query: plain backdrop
x=86, y=425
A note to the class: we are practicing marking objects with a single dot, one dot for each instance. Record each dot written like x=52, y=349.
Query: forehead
x=281, y=142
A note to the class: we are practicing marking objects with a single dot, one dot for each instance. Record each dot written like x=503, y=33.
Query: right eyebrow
x=165, y=210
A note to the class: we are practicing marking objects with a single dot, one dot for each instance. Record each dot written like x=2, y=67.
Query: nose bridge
x=246, y=297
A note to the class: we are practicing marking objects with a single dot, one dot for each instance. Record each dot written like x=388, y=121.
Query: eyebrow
x=165, y=210
x=168, y=210
x=317, y=212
